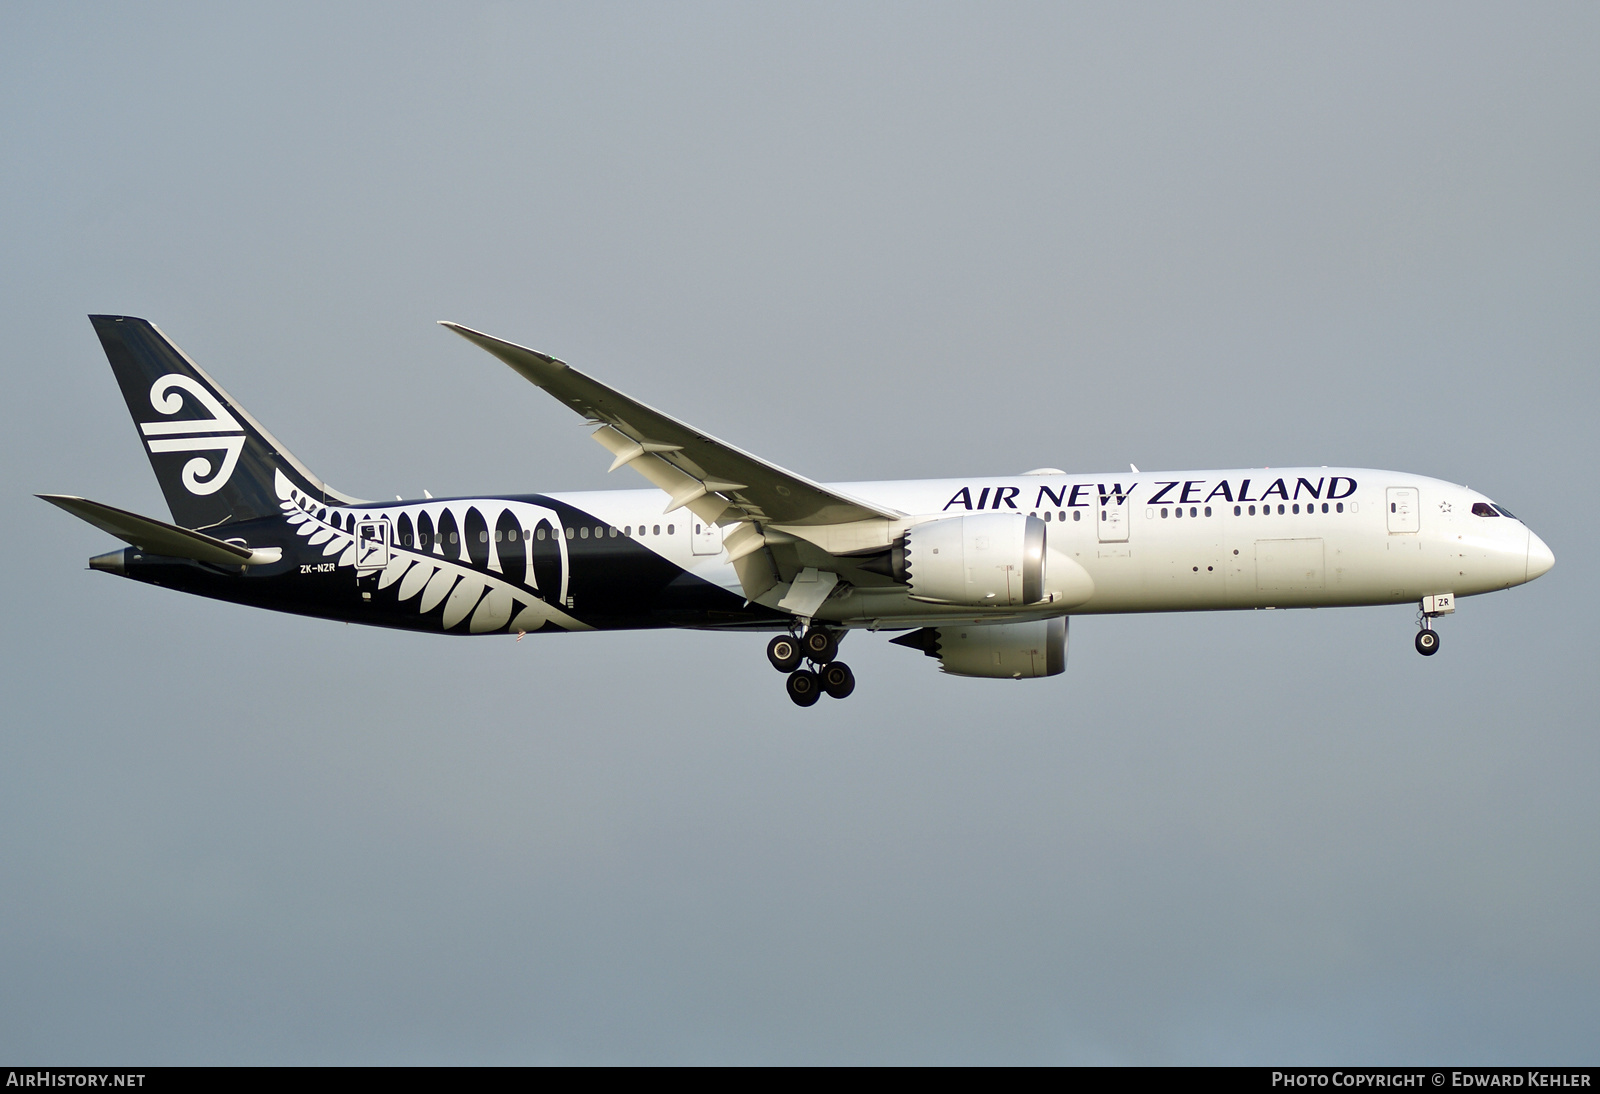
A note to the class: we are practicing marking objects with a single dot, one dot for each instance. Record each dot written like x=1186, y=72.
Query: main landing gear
x=806, y=685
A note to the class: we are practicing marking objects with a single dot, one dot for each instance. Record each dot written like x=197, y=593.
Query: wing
x=647, y=440
x=802, y=524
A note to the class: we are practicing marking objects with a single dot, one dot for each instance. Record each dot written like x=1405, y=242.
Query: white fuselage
x=1178, y=541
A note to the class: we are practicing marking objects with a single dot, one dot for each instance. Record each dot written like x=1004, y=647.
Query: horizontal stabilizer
x=160, y=538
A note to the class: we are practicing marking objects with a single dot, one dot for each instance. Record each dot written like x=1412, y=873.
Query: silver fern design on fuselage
x=444, y=552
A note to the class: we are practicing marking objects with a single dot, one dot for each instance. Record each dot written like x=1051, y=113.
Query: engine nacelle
x=998, y=651
x=990, y=559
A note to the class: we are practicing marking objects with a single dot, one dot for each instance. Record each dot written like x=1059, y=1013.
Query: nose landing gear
x=806, y=685
x=1431, y=608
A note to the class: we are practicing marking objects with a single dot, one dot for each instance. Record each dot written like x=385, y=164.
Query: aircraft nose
x=1540, y=557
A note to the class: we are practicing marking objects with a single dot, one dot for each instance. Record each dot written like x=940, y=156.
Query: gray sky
x=864, y=241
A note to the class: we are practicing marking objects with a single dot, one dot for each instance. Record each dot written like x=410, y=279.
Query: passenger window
x=671, y=529
x=655, y=529
x=1252, y=510
x=1193, y=512
x=1483, y=509
x=1297, y=507
x=1047, y=516
x=1339, y=507
x=1324, y=507
x=1163, y=514
x=1178, y=512
x=1280, y=510
x=572, y=533
x=1208, y=510
x=1075, y=515
x=1236, y=511
x=538, y=533
x=583, y=533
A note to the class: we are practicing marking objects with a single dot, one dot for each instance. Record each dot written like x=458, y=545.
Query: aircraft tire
x=784, y=653
x=804, y=688
x=1427, y=643
x=821, y=647
x=837, y=680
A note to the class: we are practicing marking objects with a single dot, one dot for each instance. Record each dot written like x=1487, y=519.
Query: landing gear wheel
x=784, y=652
x=821, y=647
x=837, y=679
x=1427, y=643
x=804, y=688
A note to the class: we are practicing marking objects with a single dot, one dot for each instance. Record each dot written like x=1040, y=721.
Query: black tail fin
x=214, y=461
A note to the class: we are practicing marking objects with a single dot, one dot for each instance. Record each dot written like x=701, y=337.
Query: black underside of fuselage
x=604, y=583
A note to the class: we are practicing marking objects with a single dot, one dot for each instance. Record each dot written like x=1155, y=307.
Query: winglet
x=539, y=368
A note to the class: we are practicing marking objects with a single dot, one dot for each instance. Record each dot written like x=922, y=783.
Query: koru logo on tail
x=219, y=433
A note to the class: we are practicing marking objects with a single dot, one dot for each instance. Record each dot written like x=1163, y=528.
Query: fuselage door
x=1404, y=515
x=1112, y=518
x=372, y=547
x=704, y=538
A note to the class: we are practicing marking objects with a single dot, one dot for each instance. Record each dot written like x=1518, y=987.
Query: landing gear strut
x=820, y=647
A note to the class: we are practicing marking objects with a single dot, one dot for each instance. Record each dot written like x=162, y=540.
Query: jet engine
x=986, y=560
x=989, y=559
x=999, y=651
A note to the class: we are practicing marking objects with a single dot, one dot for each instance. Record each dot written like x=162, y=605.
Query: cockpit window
x=1504, y=512
x=1483, y=509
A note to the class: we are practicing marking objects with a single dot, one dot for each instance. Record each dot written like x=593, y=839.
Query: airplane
x=982, y=574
